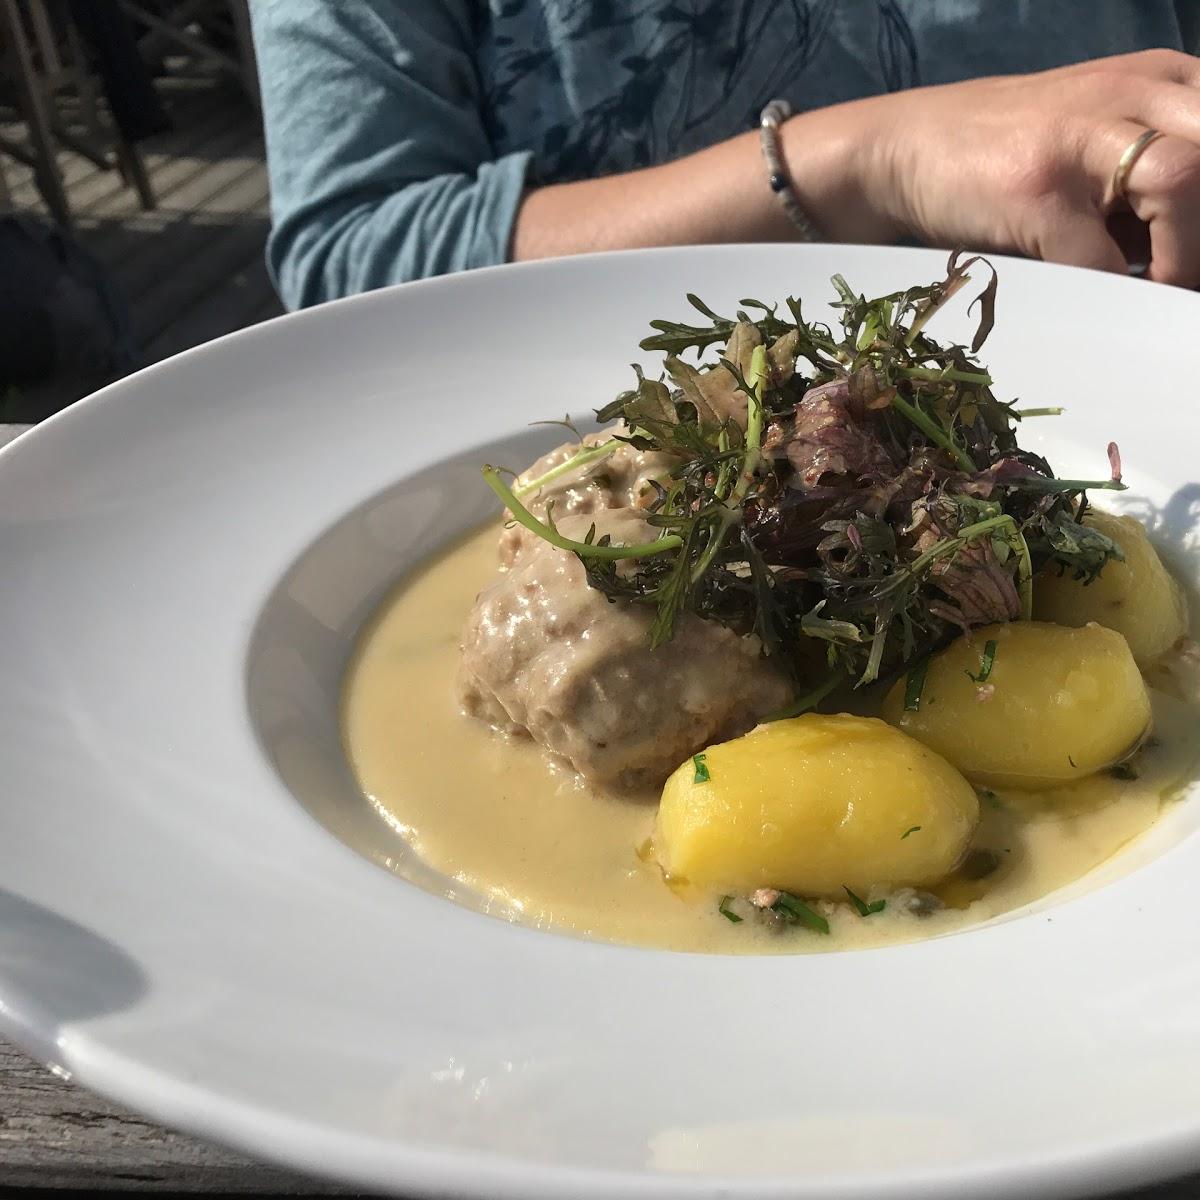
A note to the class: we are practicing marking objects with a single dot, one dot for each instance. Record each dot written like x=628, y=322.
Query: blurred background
x=133, y=190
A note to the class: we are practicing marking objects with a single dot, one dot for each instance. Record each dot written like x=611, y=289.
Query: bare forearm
x=1025, y=163
x=716, y=195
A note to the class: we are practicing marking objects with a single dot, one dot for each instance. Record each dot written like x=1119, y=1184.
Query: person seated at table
x=411, y=138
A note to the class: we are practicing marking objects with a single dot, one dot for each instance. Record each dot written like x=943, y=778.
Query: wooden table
x=55, y=1135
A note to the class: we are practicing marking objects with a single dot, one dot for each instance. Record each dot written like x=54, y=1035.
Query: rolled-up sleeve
x=381, y=169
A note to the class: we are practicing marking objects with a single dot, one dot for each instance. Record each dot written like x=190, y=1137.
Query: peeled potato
x=1059, y=704
x=813, y=805
x=1138, y=597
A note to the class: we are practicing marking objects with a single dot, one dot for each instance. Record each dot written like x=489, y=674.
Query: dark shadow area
x=190, y=278
x=52, y=969
x=1174, y=527
x=147, y=282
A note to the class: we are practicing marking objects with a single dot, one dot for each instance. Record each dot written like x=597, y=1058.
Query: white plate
x=186, y=558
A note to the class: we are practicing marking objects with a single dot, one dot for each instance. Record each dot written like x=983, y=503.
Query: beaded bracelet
x=774, y=115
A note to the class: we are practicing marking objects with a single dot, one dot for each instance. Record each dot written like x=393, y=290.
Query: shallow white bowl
x=186, y=559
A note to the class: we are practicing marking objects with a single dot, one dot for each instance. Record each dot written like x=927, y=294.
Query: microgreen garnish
x=862, y=907
x=728, y=913
x=601, y=549
x=701, y=774
x=584, y=457
x=986, y=662
x=852, y=493
x=793, y=909
x=914, y=686
x=913, y=829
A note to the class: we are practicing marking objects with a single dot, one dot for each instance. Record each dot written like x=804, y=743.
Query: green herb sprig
x=795, y=911
x=853, y=495
x=987, y=660
x=862, y=907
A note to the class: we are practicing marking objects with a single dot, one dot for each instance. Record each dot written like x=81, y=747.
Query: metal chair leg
x=133, y=171
x=33, y=110
x=84, y=82
x=240, y=11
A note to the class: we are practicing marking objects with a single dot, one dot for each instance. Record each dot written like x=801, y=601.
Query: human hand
x=1026, y=163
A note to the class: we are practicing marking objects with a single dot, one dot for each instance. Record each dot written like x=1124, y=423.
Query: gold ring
x=1120, y=178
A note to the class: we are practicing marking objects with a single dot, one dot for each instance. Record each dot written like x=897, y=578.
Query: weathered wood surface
x=54, y=1134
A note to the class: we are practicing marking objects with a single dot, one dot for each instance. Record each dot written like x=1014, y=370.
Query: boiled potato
x=1058, y=704
x=813, y=805
x=1138, y=597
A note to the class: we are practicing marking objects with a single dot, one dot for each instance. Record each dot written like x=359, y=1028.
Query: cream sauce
x=533, y=843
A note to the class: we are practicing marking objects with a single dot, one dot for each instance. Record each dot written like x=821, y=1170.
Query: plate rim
x=286, y=1138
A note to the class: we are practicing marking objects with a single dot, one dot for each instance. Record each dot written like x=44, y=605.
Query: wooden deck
x=193, y=268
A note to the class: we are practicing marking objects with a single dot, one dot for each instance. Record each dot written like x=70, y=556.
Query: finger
x=1163, y=190
x=1171, y=108
x=1075, y=234
x=1174, y=248
x=1167, y=164
x=1171, y=66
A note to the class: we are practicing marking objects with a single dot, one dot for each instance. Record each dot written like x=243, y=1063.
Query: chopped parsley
x=864, y=909
x=989, y=798
x=914, y=685
x=701, y=775
x=1124, y=770
x=986, y=662
x=793, y=909
x=914, y=829
x=727, y=912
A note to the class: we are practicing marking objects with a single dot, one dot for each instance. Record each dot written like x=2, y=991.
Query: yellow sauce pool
x=497, y=817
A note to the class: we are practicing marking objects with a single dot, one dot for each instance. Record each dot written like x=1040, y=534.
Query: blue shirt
x=401, y=134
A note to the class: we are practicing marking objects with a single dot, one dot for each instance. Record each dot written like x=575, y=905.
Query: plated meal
x=801, y=650
x=239, y=564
